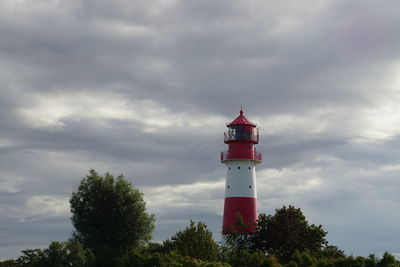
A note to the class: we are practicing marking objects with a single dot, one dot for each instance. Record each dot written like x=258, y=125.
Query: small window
x=229, y=168
x=249, y=186
x=239, y=167
x=249, y=168
x=228, y=186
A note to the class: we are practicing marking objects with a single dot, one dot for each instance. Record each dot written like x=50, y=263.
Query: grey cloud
x=207, y=58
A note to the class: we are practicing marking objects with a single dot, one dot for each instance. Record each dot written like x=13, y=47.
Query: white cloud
x=391, y=168
x=10, y=183
x=293, y=181
x=45, y=206
x=196, y=195
x=52, y=112
x=296, y=123
x=5, y=142
x=125, y=29
x=379, y=122
x=37, y=208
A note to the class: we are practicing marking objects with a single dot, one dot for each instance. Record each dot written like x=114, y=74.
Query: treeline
x=113, y=228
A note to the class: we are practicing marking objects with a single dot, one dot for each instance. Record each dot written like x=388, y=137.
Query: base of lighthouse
x=240, y=195
x=245, y=206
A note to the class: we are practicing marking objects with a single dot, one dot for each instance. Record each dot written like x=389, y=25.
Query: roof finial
x=241, y=110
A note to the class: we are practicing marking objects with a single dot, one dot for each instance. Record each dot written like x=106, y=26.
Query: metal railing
x=234, y=136
x=224, y=155
x=257, y=156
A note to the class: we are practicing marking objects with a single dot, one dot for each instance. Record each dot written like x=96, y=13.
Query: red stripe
x=241, y=150
x=245, y=206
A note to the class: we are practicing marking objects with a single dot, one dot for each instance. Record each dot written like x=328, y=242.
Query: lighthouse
x=241, y=159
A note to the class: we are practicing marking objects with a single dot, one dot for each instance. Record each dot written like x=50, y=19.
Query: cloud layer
x=145, y=89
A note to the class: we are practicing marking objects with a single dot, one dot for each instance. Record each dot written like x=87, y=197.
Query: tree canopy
x=288, y=231
x=110, y=212
x=195, y=241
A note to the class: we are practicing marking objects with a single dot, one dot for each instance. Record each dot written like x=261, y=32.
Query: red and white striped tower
x=241, y=159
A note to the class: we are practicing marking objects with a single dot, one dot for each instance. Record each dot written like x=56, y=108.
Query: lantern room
x=241, y=137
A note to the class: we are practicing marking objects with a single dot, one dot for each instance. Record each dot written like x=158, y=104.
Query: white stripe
x=241, y=179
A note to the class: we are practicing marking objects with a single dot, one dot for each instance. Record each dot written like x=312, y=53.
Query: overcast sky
x=145, y=88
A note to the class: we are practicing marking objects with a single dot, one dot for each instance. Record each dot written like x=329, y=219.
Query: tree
x=286, y=232
x=195, y=241
x=332, y=252
x=31, y=257
x=239, y=236
x=388, y=260
x=243, y=257
x=109, y=213
x=9, y=263
x=168, y=259
x=70, y=253
x=58, y=254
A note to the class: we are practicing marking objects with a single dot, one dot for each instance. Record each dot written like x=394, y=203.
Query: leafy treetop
x=110, y=212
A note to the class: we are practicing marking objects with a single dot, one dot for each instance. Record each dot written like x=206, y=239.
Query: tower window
x=229, y=167
x=239, y=167
x=249, y=168
x=249, y=186
x=228, y=186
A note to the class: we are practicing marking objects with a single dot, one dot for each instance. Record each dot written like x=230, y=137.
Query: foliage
x=240, y=237
x=237, y=257
x=286, y=232
x=152, y=247
x=388, y=260
x=9, y=263
x=332, y=252
x=304, y=259
x=31, y=257
x=170, y=259
x=67, y=254
x=58, y=254
x=195, y=241
x=110, y=213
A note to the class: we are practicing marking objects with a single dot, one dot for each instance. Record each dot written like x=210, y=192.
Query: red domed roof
x=241, y=120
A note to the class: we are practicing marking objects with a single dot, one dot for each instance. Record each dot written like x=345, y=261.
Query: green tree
x=303, y=259
x=332, y=252
x=9, y=263
x=195, y=241
x=58, y=254
x=240, y=236
x=288, y=231
x=72, y=253
x=237, y=257
x=109, y=214
x=388, y=260
x=169, y=259
x=31, y=257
